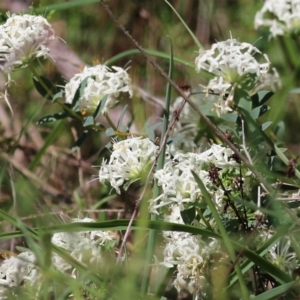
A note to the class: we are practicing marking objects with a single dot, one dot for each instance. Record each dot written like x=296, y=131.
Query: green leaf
x=244, y=100
x=106, y=150
x=175, y=139
x=272, y=269
x=76, y=264
x=263, y=97
x=46, y=246
x=295, y=91
x=186, y=26
x=155, y=53
x=79, y=92
x=80, y=140
x=110, y=132
x=100, y=126
x=188, y=215
x=249, y=120
x=49, y=140
x=52, y=118
x=149, y=129
x=83, y=85
x=275, y=292
x=100, y=106
x=129, y=182
x=122, y=115
x=57, y=96
x=259, y=111
x=124, y=128
x=228, y=244
x=3, y=17
x=44, y=87
x=62, y=6
x=266, y=125
x=88, y=121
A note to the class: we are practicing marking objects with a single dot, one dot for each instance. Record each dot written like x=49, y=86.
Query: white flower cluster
x=178, y=184
x=281, y=16
x=22, y=39
x=85, y=247
x=234, y=66
x=282, y=256
x=189, y=253
x=129, y=161
x=101, y=81
x=17, y=269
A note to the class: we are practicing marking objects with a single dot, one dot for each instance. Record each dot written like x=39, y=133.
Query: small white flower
x=232, y=60
x=130, y=160
x=281, y=16
x=101, y=81
x=281, y=254
x=18, y=268
x=189, y=253
x=177, y=181
x=22, y=39
x=269, y=81
x=84, y=246
x=234, y=66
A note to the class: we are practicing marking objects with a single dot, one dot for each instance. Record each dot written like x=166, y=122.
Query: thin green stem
x=199, y=212
x=110, y=122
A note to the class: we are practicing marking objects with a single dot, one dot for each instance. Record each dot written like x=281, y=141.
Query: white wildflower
x=232, y=60
x=177, y=181
x=282, y=255
x=189, y=254
x=235, y=67
x=269, y=81
x=281, y=16
x=22, y=39
x=84, y=246
x=101, y=81
x=18, y=268
x=129, y=161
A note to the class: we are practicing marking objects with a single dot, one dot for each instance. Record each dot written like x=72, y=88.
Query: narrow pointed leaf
x=80, y=140
x=57, y=96
x=122, y=116
x=45, y=88
x=110, y=132
x=88, y=121
x=52, y=118
x=79, y=92
x=100, y=106
x=275, y=292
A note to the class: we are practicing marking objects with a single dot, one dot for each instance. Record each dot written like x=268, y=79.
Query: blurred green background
x=41, y=173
